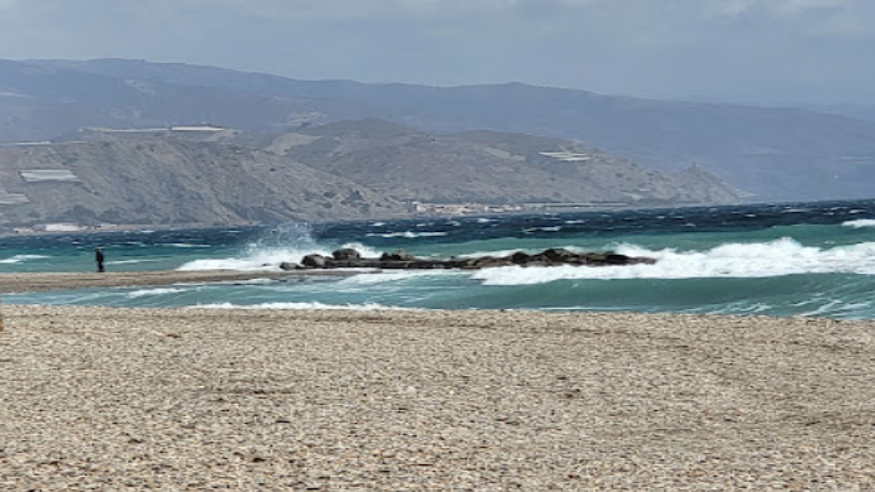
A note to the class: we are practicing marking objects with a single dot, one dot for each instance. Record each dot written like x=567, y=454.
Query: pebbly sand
x=189, y=400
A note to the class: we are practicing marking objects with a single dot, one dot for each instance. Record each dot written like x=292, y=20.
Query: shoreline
x=110, y=398
x=45, y=281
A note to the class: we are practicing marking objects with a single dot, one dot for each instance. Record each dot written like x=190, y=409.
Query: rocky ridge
x=772, y=154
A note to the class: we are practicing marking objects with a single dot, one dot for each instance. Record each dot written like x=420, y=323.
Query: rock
x=398, y=255
x=520, y=258
x=313, y=261
x=491, y=262
x=615, y=259
x=346, y=254
x=401, y=260
x=559, y=255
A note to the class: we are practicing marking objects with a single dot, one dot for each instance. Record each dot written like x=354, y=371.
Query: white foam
x=268, y=259
x=22, y=258
x=301, y=306
x=531, y=251
x=253, y=281
x=834, y=307
x=408, y=234
x=735, y=260
x=481, y=254
x=129, y=262
x=393, y=276
x=860, y=223
x=154, y=292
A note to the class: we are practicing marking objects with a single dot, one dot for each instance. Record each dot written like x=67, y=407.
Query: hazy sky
x=743, y=50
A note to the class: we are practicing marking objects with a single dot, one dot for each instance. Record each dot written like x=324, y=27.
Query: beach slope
x=42, y=281
x=187, y=399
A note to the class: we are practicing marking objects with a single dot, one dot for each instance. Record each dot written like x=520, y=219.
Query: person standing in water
x=98, y=257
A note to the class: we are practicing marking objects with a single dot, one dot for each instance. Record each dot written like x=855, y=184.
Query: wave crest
x=733, y=260
x=260, y=258
x=860, y=223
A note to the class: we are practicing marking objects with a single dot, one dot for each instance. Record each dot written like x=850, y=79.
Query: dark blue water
x=811, y=259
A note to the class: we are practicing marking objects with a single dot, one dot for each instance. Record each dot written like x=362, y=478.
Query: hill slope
x=346, y=170
x=171, y=182
x=771, y=153
x=486, y=167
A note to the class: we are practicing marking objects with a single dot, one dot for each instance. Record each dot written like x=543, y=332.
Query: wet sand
x=185, y=399
x=30, y=282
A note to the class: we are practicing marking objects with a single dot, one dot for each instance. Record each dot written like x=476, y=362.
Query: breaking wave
x=259, y=258
x=860, y=223
x=407, y=234
x=733, y=260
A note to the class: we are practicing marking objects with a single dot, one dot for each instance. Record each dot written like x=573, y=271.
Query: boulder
x=400, y=259
x=346, y=254
x=398, y=255
x=520, y=258
x=313, y=261
x=559, y=255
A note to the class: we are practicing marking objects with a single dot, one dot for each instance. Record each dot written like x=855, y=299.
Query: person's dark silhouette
x=98, y=257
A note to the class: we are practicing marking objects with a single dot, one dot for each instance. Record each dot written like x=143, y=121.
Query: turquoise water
x=811, y=259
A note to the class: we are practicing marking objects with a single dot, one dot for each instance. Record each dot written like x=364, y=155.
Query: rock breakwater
x=401, y=260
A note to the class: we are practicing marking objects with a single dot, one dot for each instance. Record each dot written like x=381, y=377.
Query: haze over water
x=809, y=259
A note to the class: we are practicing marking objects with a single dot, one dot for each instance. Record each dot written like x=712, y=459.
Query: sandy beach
x=146, y=399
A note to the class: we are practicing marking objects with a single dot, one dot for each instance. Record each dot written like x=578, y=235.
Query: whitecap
x=394, y=276
x=23, y=258
x=407, y=234
x=860, y=223
x=129, y=262
x=266, y=259
x=733, y=260
x=154, y=292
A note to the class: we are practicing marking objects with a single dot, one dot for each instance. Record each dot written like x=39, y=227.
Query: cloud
x=779, y=8
x=784, y=10
x=813, y=18
x=643, y=47
x=797, y=7
x=330, y=10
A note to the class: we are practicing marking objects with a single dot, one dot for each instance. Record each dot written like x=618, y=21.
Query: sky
x=759, y=51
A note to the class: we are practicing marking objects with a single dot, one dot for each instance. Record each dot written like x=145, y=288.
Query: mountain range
x=422, y=140
x=352, y=169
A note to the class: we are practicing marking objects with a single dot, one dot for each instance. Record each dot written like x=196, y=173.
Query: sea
x=786, y=259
